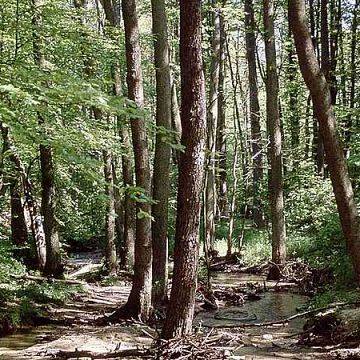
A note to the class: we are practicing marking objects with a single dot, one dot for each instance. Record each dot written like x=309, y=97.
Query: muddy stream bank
x=275, y=342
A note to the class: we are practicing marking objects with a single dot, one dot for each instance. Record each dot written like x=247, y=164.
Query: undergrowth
x=21, y=300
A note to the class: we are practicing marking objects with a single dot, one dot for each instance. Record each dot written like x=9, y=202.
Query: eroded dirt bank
x=249, y=323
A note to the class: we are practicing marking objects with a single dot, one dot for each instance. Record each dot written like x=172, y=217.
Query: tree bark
x=19, y=232
x=193, y=118
x=53, y=266
x=128, y=252
x=318, y=147
x=161, y=178
x=128, y=245
x=276, y=194
x=175, y=119
x=110, y=250
x=349, y=120
x=221, y=126
x=319, y=89
x=139, y=302
x=256, y=145
x=293, y=98
x=210, y=202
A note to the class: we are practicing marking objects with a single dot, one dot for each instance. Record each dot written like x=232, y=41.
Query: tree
x=275, y=152
x=31, y=205
x=111, y=263
x=221, y=148
x=210, y=202
x=53, y=265
x=110, y=250
x=321, y=97
x=349, y=121
x=161, y=178
x=128, y=246
x=256, y=145
x=18, y=224
x=193, y=119
x=139, y=302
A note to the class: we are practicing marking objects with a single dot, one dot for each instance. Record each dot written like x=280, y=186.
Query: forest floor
x=238, y=329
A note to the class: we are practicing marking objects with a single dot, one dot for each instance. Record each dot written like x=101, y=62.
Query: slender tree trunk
x=139, y=302
x=256, y=145
x=110, y=224
x=128, y=245
x=234, y=189
x=349, y=120
x=307, y=129
x=128, y=253
x=110, y=251
x=161, y=178
x=320, y=92
x=293, y=99
x=334, y=42
x=53, y=264
x=318, y=147
x=193, y=118
x=275, y=152
x=175, y=119
x=19, y=232
x=221, y=126
x=210, y=202
x=119, y=206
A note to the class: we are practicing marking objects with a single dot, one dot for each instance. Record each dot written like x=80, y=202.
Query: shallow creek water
x=257, y=342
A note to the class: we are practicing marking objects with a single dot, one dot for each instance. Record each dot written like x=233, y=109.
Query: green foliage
x=47, y=293
x=257, y=247
x=335, y=294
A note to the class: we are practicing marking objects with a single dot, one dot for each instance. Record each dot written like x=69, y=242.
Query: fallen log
x=63, y=355
x=45, y=279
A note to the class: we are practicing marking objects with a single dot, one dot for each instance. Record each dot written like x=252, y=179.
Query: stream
x=274, y=342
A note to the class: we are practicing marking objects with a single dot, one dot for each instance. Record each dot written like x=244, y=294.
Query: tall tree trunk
x=193, y=119
x=293, y=98
x=139, y=302
x=334, y=41
x=128, y=245
x=234, y=190
x=273, y=124
x=318, y=147
x=128, y=252
x=319, y=90
x=349, y=120
x=53, y=266
x=256, y=145
x=110, y=224
x=221, y=126
x=110, y=251
x=19, y=232
x=161, y=178
x=210, y=202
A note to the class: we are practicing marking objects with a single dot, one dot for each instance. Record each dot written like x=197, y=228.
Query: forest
x=179, y=179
